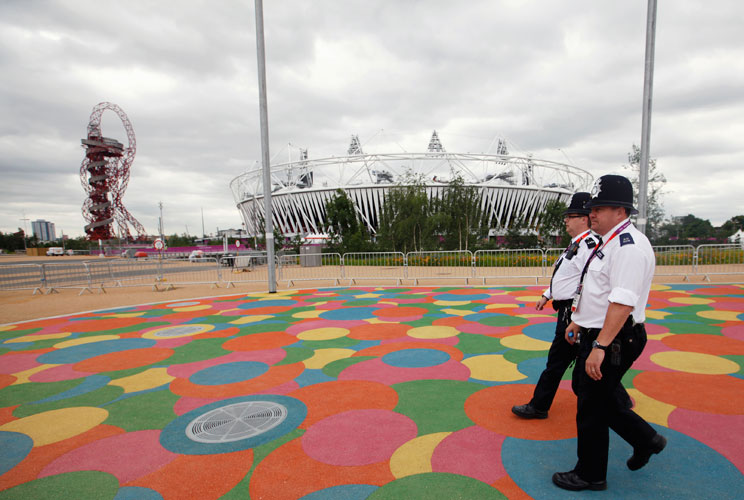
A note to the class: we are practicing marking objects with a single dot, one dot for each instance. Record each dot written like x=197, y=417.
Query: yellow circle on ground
x=525, y=343
x=414, y=457
x=85, y=340
x=695, y=362
x=720, y=315
x=125, y=315
x=34, y=338
x=191, y=331
x=451, y=302
x=200, y=307
x=307, y=314
x=502, y=306
x=656, y=314
x=650, y=409
x=659, y=287
x=690, y=300
x=528, y=298
x=148, y=379
x=367, y=296
x=323, y=334
x=324, y=356
x=57, y=425
x=493, y=367
x=250, y=319
x=8, y=327
x=432, y=332
x=458, y=312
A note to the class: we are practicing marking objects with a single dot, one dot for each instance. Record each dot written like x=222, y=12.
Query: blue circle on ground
x=173, y=437
x=267, y=303
x=685, y=469
x=345, y=491
x=540, y=331
x=454, y=297
x=78, y=353
x=348, y=313
x=137, y=493
x=14, y=447
x=416, y=358
x=229, y=373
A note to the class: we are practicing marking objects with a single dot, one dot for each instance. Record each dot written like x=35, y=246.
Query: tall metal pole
x=264, y=113
x=648, y=85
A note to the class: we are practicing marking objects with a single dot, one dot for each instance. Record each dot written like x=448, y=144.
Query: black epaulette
x=626, y=239
x=590, y=243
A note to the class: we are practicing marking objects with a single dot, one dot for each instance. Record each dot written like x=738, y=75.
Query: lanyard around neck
x=600, y=246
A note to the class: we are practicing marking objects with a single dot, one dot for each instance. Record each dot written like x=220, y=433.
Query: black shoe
x=571, y=481
x=640, y=457
x=528, y=411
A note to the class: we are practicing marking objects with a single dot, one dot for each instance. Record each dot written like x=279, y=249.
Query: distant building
x=231, y=233
x=43, y=230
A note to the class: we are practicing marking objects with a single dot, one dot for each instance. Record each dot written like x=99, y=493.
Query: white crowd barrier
x=532, y=264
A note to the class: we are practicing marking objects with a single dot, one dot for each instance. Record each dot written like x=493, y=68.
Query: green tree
x=461, y=219
x=346, y=232
x=551, y=230
x=520, y=235
x=405, y=222
x=655, y=191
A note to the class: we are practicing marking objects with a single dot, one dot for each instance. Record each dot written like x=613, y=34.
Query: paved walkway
x=353, y=393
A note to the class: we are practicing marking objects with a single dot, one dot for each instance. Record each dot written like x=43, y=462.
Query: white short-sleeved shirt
x=566, y=277
x=621, y=272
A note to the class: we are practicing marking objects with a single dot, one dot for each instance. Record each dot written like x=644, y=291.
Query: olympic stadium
x=511, y=187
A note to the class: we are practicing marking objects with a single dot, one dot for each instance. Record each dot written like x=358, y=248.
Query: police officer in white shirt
x=608, y=316
x=566, y=272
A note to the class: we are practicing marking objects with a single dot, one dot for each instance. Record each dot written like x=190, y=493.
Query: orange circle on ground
x=96, y=325
x=277, y=375
x=260, y=341
x=378, y=331
x=123, y=360
x=491, y=409
x=706, y=393
x=329, y=398
x=705, y=344
x=400, y=312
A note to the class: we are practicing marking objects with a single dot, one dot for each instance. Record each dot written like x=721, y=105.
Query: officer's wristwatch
x=597, y=345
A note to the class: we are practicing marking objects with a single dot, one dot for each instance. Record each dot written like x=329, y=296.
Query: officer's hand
x=593, y=364
x=541, y=303
x=571, y=332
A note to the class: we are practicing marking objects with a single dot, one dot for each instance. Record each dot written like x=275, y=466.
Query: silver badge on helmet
x=596, y=188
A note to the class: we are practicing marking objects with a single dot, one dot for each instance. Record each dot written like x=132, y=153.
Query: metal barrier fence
x=682, y=260
x=456, y=264
x=675, y=260
x=244, y=269
x=529, y=263
x=310, y=267
x=719, y=259
x=374, y=266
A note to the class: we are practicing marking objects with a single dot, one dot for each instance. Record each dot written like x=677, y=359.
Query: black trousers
x=560, y=355
x=599, y=408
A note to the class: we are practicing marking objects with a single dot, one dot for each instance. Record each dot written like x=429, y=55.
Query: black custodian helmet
x=577, y=205
x=612, y=191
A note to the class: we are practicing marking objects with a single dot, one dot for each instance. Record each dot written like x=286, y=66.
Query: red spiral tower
x=104, y=175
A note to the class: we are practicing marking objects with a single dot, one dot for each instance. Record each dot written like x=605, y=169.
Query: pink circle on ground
x=375, y=370
x=186, y=404
x=734, y=331
x=358, y=437
x=57, y=374
x=268, y=356
x=501, y=299
x=14, y=363
x=324, y=323
x=715, y=431
x=474, y=452
x=480, y=329
x=728, y=306
x=656, y=329
x=127, y=456
x=173, y=343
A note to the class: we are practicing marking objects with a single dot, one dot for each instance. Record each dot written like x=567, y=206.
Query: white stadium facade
x=511, y=187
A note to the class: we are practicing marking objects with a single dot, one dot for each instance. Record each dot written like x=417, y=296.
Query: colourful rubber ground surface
x=386, y=394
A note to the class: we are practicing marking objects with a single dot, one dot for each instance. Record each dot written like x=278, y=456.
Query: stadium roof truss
x=511, y=187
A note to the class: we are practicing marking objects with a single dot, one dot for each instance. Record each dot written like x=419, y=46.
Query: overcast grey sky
x=562, y=80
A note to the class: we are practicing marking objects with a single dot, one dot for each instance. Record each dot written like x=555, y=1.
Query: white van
x=53, y=251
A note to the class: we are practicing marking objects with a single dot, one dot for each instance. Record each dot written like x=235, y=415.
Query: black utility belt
x=561, y=304
x=629, y=324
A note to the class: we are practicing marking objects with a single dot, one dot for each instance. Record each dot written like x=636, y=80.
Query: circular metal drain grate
x=236, y=421
x=179, y=331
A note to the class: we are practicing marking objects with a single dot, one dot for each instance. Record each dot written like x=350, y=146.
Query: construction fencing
x=684, y=261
